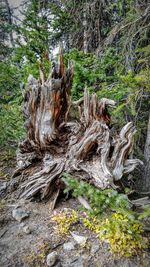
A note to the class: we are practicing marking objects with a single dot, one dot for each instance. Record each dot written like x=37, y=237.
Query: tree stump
x=86, y=148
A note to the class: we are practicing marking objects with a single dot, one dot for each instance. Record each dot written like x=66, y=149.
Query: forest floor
x=27, y=243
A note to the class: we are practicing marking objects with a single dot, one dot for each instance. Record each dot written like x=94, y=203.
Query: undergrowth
x=38, y=258
x=111, y=218
x=11, y=123
x=101, y=201
x=123, y=234
x=65, y=220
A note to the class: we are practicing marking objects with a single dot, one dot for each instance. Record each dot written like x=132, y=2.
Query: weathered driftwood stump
x=85, y=148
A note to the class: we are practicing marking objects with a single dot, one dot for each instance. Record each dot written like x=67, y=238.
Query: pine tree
x=6, y=37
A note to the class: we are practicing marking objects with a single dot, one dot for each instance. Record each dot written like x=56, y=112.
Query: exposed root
x=84, y=147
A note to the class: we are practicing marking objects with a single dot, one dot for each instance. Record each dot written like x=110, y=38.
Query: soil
x=21, y=249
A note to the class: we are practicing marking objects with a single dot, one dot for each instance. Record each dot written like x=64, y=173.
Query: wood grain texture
x=86, y=148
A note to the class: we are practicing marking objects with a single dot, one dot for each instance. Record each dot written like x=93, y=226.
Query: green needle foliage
x=101, y=201
x=117, y=65
x=12, y=124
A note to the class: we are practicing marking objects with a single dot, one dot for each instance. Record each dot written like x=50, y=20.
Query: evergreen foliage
x=116, y=66
x=101, y=201
x=11, y=123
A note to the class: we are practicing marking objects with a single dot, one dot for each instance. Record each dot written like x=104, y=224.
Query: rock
x=3, y=186
x=51, y=258
x=2, y=233
x=26, y=230
x=22, y=225
x=94, y=248
x=58, y=264
x=81, y=240
x=78, y=263
x=84, y=202
x=68, y=246
x=19, y=214
x=74, y=260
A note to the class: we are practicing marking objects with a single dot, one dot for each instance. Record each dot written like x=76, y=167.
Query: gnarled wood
x=86, y=148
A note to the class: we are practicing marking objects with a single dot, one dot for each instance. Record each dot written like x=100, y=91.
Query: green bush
x=11, y=118
x=111, y=217
x=101, y=201
x=124, y=234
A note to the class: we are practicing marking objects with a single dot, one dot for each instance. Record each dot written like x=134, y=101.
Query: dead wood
x=86, y=148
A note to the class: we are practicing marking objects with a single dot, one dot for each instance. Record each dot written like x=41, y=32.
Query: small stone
x=78, y=263
x=94, y=248
x=81, y=240
x=2, y=233
x=52, y=258
x=19, y=214
x=22, y=225
x=3, y=186
x=26, y=230
x=68, y=246
x=58, y=264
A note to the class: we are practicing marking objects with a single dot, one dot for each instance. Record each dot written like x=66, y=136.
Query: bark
x=145, y=182
x=85, y=27
x=86, y=148
x=9, y=14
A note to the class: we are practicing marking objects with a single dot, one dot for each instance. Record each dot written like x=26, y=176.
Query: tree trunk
x=9, y=14
x=85, y=27
x=145, y=181
x=86, y=148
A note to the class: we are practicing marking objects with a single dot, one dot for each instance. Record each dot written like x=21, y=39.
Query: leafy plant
x=145, y=213
x=65, y=220
x=38, y=258
x=123, y=233
x=100, y=200
x=111, y=217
